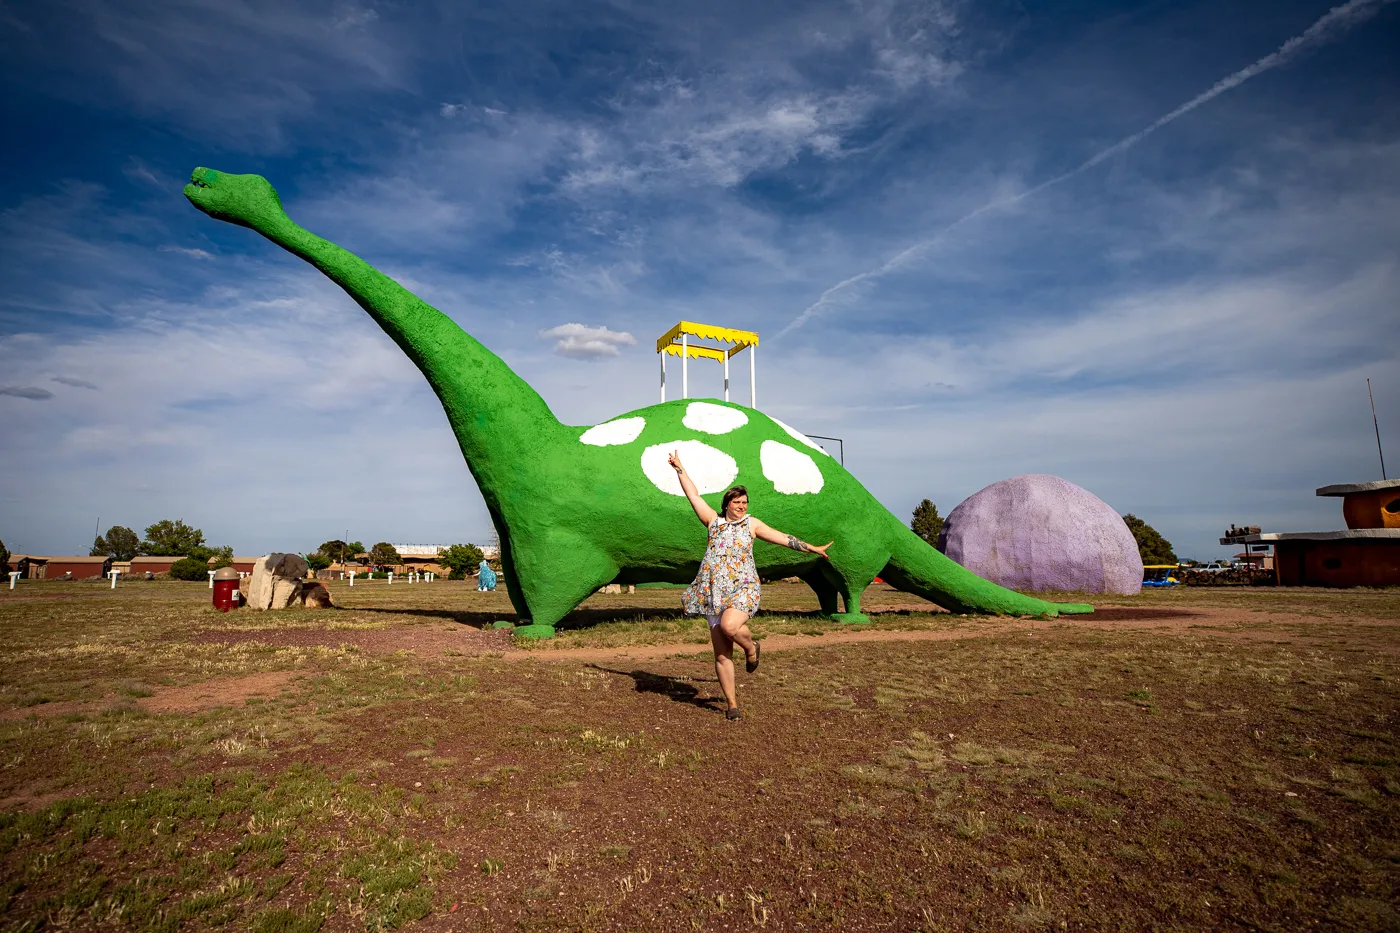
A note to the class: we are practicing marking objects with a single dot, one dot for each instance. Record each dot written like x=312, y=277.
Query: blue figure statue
x=486, y=577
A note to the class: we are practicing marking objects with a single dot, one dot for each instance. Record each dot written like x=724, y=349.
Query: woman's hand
x=675, y=460
x=820, y=550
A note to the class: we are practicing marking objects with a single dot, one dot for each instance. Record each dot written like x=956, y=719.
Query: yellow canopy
x=669, y=342
x=677, y=342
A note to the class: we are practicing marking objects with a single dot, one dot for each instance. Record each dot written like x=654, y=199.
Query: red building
x=77, y=568
x=33, y=567
x=144, y=565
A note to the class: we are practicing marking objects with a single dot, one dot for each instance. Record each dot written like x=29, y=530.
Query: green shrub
x=189, y=568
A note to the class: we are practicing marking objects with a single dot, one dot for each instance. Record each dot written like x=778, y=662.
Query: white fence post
x=211, y=578
x=14, y=575
x=391, y=578
x=115, y=573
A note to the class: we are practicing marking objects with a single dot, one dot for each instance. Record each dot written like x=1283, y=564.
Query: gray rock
x=275, y=582
x=1038, y=532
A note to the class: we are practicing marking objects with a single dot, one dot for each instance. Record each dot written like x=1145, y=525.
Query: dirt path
x=1167, y=621
x=444, y=640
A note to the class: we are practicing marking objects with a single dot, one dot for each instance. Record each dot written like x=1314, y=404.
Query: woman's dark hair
x=734, y=493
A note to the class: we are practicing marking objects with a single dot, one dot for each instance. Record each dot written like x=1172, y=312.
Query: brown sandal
x=752, y=666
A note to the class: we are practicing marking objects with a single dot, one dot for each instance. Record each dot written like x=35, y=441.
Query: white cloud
x=582, y=342
x=192, y=252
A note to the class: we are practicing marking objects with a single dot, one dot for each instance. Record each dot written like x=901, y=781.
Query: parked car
x=1215, y=566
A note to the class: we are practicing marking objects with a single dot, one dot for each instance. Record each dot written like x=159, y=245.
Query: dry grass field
x=1188, y=759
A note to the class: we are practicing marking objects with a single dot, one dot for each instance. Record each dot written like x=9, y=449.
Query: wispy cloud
x=1328, y=27
x=30, y=392
x=582, y=342
x=74, y=382
x=193, y=252
x=189, y=64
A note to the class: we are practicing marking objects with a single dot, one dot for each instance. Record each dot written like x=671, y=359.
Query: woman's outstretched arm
x=774, y=536
x=701, y=507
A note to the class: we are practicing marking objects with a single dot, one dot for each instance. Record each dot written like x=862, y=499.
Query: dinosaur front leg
x=557, y=569
x=854, y=574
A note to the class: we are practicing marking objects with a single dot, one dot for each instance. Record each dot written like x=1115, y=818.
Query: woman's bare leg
x=724, y=663
x=735, y=623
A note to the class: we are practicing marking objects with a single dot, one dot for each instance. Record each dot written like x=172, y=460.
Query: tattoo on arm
x=797, y=544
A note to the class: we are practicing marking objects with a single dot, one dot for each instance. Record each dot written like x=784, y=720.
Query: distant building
x=420, y=558
x=78, y=568
x=34, y=567
x=145, y=565
x=1367, y=553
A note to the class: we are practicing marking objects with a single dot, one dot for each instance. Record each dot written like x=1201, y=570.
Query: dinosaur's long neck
x=495, y=414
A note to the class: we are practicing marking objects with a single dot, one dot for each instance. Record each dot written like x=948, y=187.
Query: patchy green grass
x=1237, y=767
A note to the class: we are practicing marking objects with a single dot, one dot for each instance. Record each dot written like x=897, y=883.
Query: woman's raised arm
x=774, y=536
x=701, y=507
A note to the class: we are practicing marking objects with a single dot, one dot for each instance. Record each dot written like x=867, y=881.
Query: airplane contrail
x=1333, y=22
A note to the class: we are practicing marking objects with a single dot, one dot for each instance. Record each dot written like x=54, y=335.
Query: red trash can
x=226, y=589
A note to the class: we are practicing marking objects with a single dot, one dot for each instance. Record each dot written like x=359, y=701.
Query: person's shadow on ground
x=672, y=688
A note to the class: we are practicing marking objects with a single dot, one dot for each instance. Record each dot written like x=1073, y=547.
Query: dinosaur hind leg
x=825, y=589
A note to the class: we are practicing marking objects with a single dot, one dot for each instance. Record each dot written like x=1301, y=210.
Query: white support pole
x=14, y=575
x=753, y=377
x=113, y=574
x=663, y=375
x=211, y=578
x=391, y=578
x=685, y=366
x=352, y=578
x=726, y=375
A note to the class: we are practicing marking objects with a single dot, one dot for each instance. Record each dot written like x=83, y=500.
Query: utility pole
x=1377, y=425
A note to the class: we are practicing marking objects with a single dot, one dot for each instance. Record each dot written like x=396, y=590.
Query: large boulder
x=1038, y=532
x=275, y=582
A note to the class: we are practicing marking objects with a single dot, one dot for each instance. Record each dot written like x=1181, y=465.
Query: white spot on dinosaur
x=713, y=419
x=711, y=469
x=799, y=436
x=611, y=433
x=791, y=471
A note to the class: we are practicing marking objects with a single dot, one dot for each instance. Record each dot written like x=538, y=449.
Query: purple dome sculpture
x=1039, y=532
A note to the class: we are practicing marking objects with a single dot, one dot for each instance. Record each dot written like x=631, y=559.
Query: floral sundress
x=727, y=577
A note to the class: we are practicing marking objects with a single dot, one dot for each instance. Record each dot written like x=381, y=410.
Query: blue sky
x=962, y=253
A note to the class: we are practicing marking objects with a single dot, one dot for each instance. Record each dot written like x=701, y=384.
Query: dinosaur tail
x=917, y=568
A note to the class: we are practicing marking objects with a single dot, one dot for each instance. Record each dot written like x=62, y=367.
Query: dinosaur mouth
x=198, y=183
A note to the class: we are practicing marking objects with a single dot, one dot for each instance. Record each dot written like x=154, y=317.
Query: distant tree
x=384, y=555
x=926, y=522
x=171, y=539
x=317, y=561
x=189, y=568
x=220, y=557
x=461, y=560
x=120, y=542
x=354, y=549
x=336, y=551
x=1154, y=548
x=4, y=558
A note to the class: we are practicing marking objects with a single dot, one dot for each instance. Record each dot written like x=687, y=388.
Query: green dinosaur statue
x=580, y=507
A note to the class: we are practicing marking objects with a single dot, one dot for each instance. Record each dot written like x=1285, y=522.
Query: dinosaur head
x=246, y=200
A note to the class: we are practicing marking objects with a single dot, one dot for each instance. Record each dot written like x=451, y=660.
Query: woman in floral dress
x=726, y=590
